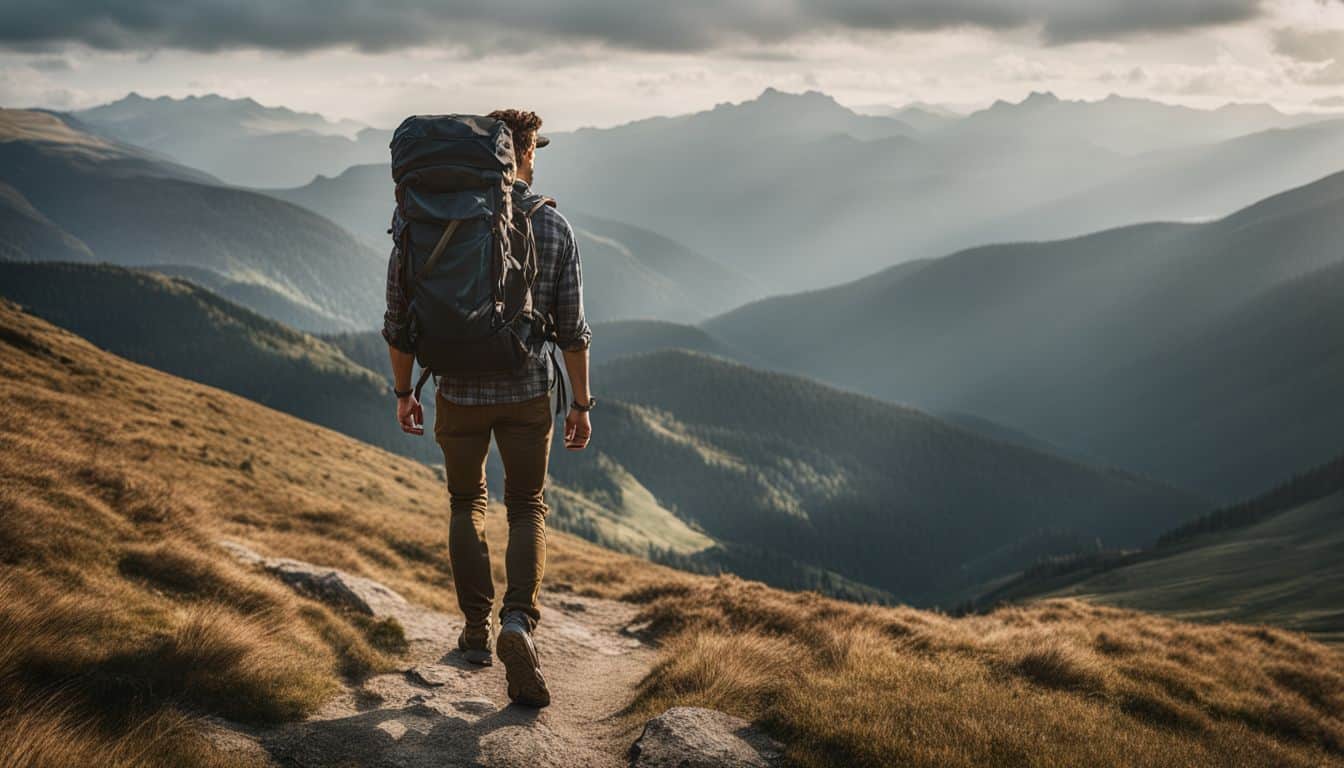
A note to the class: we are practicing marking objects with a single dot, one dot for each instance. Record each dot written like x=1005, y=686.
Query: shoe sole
x=522, y=669
x=479, y=658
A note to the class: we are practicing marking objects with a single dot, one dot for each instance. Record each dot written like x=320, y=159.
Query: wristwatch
x=400, y=393
x=584, y=408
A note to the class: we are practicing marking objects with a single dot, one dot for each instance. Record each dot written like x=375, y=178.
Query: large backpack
x=469, y=258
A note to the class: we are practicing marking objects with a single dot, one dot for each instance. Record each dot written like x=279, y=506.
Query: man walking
x=514, y=407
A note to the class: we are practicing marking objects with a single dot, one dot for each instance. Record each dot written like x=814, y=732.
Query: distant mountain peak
x=774, y=95
x=1035, y=99
x=773, y=92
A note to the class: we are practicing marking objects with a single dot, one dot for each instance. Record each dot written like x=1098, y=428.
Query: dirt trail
x=442, y=711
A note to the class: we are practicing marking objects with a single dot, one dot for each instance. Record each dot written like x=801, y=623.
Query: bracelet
x=400, y=393
x=584, y=408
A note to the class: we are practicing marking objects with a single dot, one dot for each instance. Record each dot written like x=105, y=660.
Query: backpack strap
x=425, y=373
x=535, y=203
x=561, y=399
x=439, y=248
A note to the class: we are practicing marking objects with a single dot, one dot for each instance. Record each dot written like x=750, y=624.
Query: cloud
x=1319, y=51
x=52, y=64
x=1081, y=20
x=1309, y=45
x=650, y=25
x=1331, y=102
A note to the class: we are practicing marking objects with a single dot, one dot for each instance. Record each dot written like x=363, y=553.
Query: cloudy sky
x=601, y=62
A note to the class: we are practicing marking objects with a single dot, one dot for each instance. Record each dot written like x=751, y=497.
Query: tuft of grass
x=1059, y=664
x=47, y=734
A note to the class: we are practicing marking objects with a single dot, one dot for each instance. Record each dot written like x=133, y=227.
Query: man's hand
x=410, y=415
x=577, y=430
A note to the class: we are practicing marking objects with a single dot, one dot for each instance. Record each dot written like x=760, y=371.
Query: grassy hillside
x=637, y=337
x=257, y=297
x=628, y=272
x=880, y=494
x=133, y=209
x=120, y=613
x=1287, y=571
x=1276, y=558
x=1163, y=325
x=178, y=327
x=27, y=235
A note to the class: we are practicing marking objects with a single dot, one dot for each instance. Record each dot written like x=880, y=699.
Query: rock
x=327, y=584
x=431, y=675
x=338, y=587
x=693, y=737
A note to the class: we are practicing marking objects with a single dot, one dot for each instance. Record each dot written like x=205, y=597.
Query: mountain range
x=797, y=191
x=1204, y=355
x=238, y=140
x=97, y=199
x=1119, y=124
x=813, y=207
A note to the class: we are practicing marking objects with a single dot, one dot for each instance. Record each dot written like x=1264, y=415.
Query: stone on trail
x=327, y=584
x=432, y=675
x=693, y=737
x=351, y=592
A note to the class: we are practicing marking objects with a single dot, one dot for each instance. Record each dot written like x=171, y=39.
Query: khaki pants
x=523, y=433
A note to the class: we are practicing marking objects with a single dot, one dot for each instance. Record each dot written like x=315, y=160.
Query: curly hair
x=522, y=124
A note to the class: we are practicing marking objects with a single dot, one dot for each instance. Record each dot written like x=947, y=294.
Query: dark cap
x=542, y=141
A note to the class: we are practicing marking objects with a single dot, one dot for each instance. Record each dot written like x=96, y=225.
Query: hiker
x=482, y=286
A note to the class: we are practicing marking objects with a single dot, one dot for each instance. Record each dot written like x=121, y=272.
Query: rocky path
x=441, y=711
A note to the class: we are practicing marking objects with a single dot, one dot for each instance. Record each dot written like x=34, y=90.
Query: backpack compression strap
x=439, y=248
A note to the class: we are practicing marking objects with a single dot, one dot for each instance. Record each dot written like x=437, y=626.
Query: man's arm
x=578, y=424
x=573, y=337
x=576, y=363
x=410, y=415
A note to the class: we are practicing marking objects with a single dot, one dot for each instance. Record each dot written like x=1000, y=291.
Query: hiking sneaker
x=522, y=667
x=475, y=646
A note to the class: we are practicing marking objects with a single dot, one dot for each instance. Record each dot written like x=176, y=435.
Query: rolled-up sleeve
x=571, y=329
x=396, y=320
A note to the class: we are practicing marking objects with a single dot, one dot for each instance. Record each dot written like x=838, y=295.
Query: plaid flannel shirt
x=558, y=292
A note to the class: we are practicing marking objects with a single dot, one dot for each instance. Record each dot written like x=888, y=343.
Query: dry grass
x=1059, y=683
x=121, y=621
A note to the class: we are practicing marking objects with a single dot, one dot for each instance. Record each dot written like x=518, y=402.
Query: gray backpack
x=467, y=252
